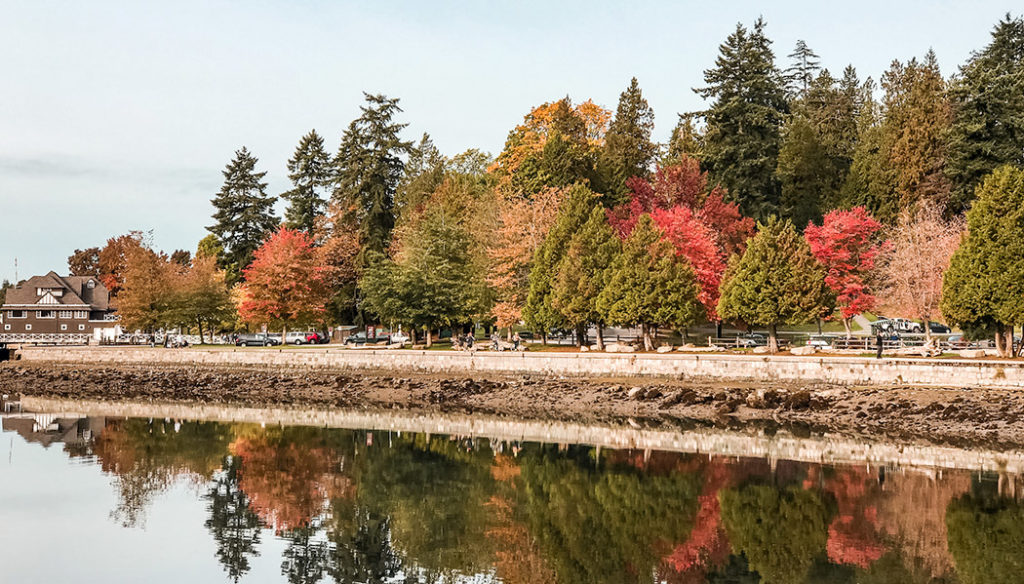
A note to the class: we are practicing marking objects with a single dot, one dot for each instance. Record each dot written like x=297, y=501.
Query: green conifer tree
x=805, y=67
x=539, y=311
x=742, y=138
x=368, y=168
x=983, y=287
x=310, y=171
x=776, y=281
x=686, y=141
x=988, y=107
x=244, y=213
x=649, y=285
x=628, y=150
x=583, y=272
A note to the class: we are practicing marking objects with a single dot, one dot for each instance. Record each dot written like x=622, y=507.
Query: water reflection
x=346, y=506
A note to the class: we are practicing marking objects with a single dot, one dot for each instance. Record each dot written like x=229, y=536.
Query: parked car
x=820, y=342
x=295, y=338
x=939, y=328
x=317, y=338
x=526, y=335
x=751, y=340
x=399, y=337
x=256, y=340
x=361, y=339
x=896, y=325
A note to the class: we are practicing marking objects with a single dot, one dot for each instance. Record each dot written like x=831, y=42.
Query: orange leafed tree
x=113, y=259
x=523, y=225
x=286, y=281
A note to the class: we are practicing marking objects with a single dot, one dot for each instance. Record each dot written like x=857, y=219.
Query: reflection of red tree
x=707, y=545
x=853, y=534
x=288, y=484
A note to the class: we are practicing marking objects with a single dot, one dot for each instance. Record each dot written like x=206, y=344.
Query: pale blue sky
x=120, y=115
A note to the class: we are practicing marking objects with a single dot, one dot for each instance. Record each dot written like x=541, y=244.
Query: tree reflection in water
x=358, y=506
x=232, y=522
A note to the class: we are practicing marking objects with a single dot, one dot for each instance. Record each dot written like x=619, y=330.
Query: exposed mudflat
x=958, y=416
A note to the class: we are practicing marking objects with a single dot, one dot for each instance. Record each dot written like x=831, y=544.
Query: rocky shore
x=957, y=416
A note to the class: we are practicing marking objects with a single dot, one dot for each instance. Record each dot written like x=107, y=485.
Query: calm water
x=101, y=499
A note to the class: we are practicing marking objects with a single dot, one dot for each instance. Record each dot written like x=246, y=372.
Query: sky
x=117, y=116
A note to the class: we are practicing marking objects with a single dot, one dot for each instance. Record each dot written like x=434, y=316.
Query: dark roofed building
x=56, y=309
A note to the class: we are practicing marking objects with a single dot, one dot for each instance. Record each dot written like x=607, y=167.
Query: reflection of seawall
x=832, y=369
x=781, y=446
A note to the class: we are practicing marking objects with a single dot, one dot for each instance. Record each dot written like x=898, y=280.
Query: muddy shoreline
x=962, y=417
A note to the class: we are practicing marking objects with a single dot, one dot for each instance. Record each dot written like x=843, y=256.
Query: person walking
x=880, y=341
x=515, y=341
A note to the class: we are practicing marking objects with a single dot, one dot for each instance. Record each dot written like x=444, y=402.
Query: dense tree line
x=794, y=193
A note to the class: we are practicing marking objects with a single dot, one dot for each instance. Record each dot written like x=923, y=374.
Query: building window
x=28, y=327
x=45, y=314
x=16, y=314
x=81, y=327
x=81, y=314
x=90, y=284
x=63, y=327
x=64, y=314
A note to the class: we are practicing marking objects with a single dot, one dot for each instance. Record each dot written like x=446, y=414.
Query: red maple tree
x=697, y=221
x=286, y=281
x=846, y=244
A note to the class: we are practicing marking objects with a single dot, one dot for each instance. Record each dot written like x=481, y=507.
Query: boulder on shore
x=665, y=349
x=619, y=348
x=971, y=353
x=762, y=350
x=806, y=350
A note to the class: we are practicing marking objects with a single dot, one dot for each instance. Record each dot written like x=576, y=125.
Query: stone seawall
x=842, y=370
x=826, y=449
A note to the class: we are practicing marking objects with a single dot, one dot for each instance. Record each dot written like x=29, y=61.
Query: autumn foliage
x=286, y=281
x=701, y=226
x=845, y=244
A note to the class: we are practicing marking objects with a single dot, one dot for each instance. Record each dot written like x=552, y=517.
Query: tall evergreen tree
x=649, y=285
x=804, y=69
x=917, y=119
x=583, y=272
x=817, y=147
x=988, y=107
x=368, y=168
x=540, y=312
x=743, y=124
x=628, y=150
x=687, y=141
x=310, y=171
x=244, y=213
x=776, y=281
x=985, y=281
x=422, y=175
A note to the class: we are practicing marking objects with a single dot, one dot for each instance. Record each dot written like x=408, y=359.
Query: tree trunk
x=544, y=338
x=646, y=332
x=429, y=337
x=412, y=335
x=199, y=321
x=773, y=338
x=927, y=331
x=718, y=329
x=581, y=335
x=284, y=335
x=600, y=337
x=999, y=339
x=1009, y=341
x=846, y=325
x=508, y=337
